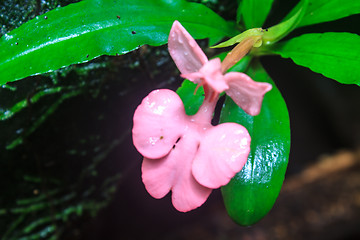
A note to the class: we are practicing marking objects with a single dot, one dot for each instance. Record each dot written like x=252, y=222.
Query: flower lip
x=186, y=154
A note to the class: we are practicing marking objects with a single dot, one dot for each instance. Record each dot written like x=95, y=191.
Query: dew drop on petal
x=244, y=143
x=153, y=140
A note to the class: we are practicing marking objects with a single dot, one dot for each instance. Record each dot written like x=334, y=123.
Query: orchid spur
x=186, y=154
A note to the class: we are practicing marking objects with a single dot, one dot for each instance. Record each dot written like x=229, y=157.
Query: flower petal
x=189, y=194
x=213, y=76
x=184, y=50
x=157, y=176
x=173, y=172
x=158, y=122
x=222, y=153
x=245, y=92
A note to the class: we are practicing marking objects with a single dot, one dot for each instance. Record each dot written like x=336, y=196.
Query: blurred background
x=69, y=170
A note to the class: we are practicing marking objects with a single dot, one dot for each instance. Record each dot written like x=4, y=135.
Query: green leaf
x=254, y=12
x=281, y=30
x=191, y=97
x=83, y=31
x=250, y=195
x=335, y=55
x=319, y=11
x=240, y=37
x=238, y=11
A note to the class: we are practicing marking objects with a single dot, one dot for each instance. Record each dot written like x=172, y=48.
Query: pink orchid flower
x=186, y=154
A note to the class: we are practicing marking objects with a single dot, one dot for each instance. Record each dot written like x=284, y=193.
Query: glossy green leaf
x=191, y=97
x=279, y=31
x=250, y=195
x=83, y=31
x=319, y=11
x=254, y=12
x=335, y=55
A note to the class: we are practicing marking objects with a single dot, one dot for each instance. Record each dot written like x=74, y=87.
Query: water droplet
x=19, y=131
x=7, y=37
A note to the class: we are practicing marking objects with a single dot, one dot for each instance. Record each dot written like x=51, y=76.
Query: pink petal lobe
x=187, y=193
x=245, y=92
x=194, y=77
x=222, y=153
x=184, y=50
x=173, y=172
x=157, y=176
x=158, y=123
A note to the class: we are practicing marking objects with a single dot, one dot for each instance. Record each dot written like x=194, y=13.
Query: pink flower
x=194, y=65
x=186, y=154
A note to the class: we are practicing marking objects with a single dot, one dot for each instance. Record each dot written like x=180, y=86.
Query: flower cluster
x=186, y=154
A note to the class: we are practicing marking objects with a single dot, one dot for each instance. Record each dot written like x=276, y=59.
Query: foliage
x=93, y=28
x=319, y=11
x=333, y=54
x=81, y=32
x=253, y=191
